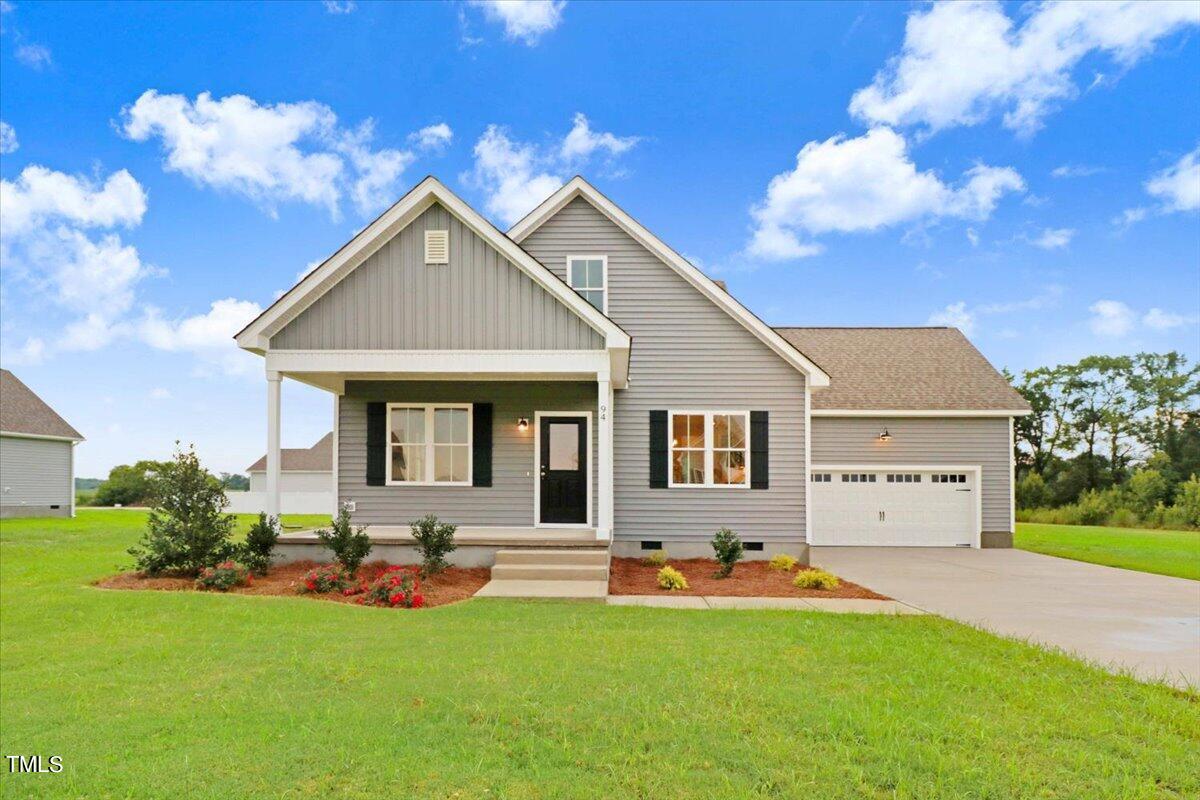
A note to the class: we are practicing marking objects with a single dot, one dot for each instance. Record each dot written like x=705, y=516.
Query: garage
x=880, y=506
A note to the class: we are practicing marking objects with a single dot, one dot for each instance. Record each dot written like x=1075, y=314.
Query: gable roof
x=907, y=369
x=578, y=187
x=23, y=412
x=256, y=336
x=318, y=458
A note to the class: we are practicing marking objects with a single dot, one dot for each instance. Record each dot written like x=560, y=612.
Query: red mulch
x=451, y=586
x=749, y=579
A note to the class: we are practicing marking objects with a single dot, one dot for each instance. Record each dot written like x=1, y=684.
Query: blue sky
x=1027, y=172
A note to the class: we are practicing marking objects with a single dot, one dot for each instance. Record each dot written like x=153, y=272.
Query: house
x=576, y=380
x=37, y=454
x=305, y=481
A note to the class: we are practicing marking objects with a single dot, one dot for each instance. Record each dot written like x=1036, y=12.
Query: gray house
x=576, y=380
x=37, y=455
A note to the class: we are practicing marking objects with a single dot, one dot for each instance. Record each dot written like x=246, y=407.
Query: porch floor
x=495, y=536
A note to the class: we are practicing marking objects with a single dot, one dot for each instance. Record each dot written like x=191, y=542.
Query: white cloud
x=963, y=62
x=160, y=393
x=1178, y=186
x=1130, y=216
x=35, y=56
x=972, y=237
x=1053, y=238
x=954, y=315
x=208, y=336
x=339, y=6
x=524, y=20
x=1075, y=171
x=581, y=142
x=432, y=137
x=1161, y=320
x=32, y=352
x=8, y=139
x=863, y=184
x=957, y=315
x=1111, y=318
x=40, y=196
x=270, y=154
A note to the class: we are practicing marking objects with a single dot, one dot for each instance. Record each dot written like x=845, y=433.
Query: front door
x=564, y=470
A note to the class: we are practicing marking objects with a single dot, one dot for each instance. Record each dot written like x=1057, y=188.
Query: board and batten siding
x=919, y=441
x=479, y=301
x=508, y=501
x=34, y=475
x=687, y=354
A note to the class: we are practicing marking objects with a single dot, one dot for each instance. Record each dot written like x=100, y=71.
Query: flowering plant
x=223, y=577
x=396, y=587
x=327, y=578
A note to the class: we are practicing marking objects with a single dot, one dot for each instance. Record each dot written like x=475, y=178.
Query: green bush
x=186, y=530
x=1187, y=502
x=1147, y=488
x=656, y=559
x=783, y=562
x=329, y=578
x=815, y=579
x=256, y=551
x=1123, y=518
x=434, y=540
x=1032, y=491
x=1093, y=508
x=349, y=545
x=672, y=580
x=223, y=577
x=729, y=550
x=129, y=485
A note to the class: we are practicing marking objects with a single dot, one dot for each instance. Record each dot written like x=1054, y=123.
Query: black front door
x=564, y=470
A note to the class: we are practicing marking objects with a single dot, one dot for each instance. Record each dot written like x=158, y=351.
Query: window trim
x=603, y=277
x=430, y=407
x=709, y=462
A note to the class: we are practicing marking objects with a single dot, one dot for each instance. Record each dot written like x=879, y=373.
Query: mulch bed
x=749, y=579
x=451, y=586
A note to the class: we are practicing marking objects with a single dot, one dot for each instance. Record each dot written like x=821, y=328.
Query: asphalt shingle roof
x=22, y=411
x=318, y=458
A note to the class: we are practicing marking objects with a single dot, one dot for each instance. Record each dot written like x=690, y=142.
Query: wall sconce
x=523, y=424
x=884, y=436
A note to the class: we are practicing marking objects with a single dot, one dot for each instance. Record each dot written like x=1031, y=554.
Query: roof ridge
x=864, y=328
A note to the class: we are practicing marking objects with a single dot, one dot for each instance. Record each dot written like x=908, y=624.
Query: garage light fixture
x=884, y=436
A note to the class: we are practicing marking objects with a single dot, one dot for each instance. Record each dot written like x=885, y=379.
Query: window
x=909, y=477
x=950, y=478
x=821, y=477
x=588, y=275
x=429, y=444
x=857, y=477
x=710, y=448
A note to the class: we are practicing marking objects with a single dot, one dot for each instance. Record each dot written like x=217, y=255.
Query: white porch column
x=604, y=413
x=274, y=383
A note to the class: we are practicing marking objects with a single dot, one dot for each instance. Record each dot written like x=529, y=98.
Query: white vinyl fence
x=289, y=502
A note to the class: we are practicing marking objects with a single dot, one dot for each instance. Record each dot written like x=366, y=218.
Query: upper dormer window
x=588, y=275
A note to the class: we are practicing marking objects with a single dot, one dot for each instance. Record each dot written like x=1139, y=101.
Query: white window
x=710, y=448
x=429, y=444
x=588, y=275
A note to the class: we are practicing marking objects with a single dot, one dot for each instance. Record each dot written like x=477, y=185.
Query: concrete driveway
x=1147, y=623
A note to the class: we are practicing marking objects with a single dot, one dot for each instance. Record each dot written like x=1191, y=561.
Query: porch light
x=523, y=424
x=884, y=436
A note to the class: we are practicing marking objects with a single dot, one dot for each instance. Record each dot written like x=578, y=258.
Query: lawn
x=149, y=694
x=1161, y=552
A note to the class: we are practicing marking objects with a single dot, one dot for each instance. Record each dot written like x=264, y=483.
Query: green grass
x=172, y=695
x=1161, y=552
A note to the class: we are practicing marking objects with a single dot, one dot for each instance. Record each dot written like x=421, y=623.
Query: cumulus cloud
x=1160, y=320
x=844, y=185
x=8, y=139
x=34, y=56
x=339, y=6
x=40, y=196
x=208, y=336
x=582, y=142
x=963, y=62
x=954, y=315
x=1111, y=318
x=958, y=315
x=524, y=20
x=1053, y=238
x=432, y=137
x=1075, y=171
x=1177, y=187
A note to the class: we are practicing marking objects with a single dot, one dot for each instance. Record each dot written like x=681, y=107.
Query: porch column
x=604, y=413
x=274, y=381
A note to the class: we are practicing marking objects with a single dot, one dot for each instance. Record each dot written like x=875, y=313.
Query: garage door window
x=951, y=478
x=905, y=477
x=858, y=477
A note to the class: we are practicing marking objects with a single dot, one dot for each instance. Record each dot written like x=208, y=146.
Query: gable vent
x=437, y=247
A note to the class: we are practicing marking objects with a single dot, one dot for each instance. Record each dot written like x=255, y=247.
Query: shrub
x=395, y=587
x=223, y=577
x=1031, y=491
x=186, y=530
x=328, y=578
x=783, y=562
x=672, y=580
x=1092, y=508
x=815, y=579
x=1147, y=488
x=1123, y=518
x=255, y=552
x=434, y=540
x=728, y=548
x=350, y=545
x=1187, y=502
x=656, y=559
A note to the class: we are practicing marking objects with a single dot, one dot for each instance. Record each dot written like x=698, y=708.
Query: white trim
x=47, y=437
x=257, y=335
x=274, y=460
x=1012, y=477
x=924, y=412
x=807, y=460
x=603, y=276
x=430, y=444
x=72, y=478
x=580, y=364
x=290, y=471
x=337, y=427
x=975, y=469
x=577, y=187
x=709, y=464
x=537, y=468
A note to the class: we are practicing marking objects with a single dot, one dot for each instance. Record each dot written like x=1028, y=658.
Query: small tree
x=729, y=550
x=434, y=540
x=129, y=485
x=255, y=552
x=1147, y=488
x=350, y=545
x=187, y=530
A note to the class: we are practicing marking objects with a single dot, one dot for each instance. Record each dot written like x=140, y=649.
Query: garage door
x=913, y=508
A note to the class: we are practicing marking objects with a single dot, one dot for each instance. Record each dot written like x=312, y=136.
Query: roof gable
x=318, y=458
x=23, y=412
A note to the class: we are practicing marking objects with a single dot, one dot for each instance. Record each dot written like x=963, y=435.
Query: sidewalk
x=830, y=604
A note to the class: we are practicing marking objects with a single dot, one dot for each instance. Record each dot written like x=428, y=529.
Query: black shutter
x=481, y=444
x=658, y=449
x=376, y=444
x=760, y=472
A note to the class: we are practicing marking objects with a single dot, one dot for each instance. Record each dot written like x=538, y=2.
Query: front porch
x=468, y=536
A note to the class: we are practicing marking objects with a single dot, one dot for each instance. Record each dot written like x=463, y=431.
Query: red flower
x=418, y=600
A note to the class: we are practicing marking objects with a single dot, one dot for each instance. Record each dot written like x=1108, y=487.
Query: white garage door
x=913, y=508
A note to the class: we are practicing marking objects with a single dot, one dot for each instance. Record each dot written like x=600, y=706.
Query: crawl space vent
x=437, y=247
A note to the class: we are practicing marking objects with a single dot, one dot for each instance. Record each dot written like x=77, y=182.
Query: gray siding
x=508, y=501
x=687, y=354
x=925, y=440
x=479, y=301
x=34, y=473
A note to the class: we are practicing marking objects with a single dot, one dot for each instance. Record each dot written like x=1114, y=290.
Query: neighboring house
x=37, y=454
x=577, y=375
x=305, y=481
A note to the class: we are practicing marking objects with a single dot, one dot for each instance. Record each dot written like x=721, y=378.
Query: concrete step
x=550, y=572
x=574, y=556
x=595, y=591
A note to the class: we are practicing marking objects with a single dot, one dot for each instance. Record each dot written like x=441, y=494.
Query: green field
x=1161, y=552
x=175, y=695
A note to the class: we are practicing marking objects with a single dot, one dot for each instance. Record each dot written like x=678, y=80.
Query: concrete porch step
x=572, y=557
x=550, y=572
x=595, y=591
